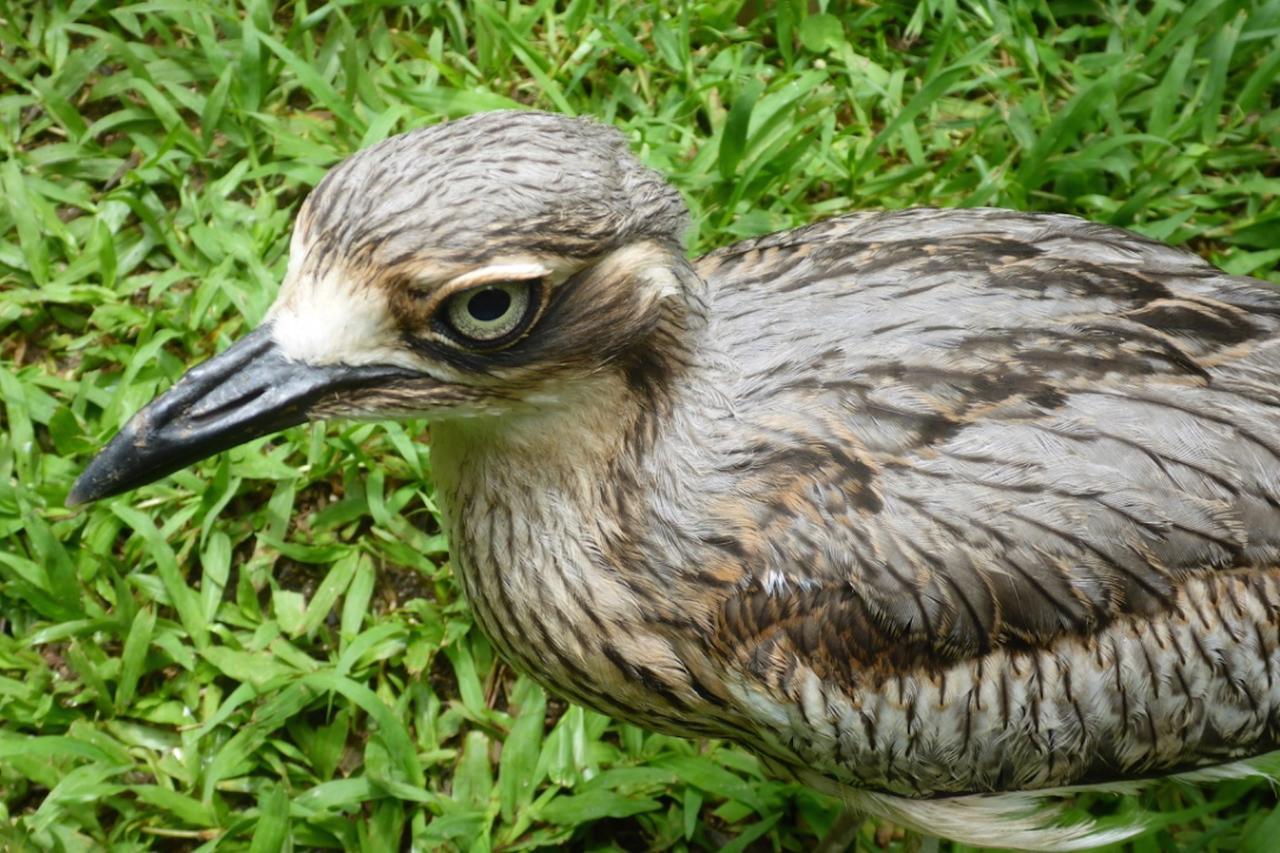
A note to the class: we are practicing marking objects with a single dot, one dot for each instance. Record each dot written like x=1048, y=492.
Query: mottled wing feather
x=965, y=430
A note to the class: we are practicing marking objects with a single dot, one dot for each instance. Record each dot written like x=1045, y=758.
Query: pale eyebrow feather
x=499, y=272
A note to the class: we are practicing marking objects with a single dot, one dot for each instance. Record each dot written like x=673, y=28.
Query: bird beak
x=250, y=390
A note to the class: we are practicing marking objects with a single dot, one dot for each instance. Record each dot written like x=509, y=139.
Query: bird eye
x=490, y=314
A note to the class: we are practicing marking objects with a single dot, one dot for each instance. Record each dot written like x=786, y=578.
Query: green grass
x=271, y=646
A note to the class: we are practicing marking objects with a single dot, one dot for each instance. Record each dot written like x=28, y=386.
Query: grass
x=269, y=649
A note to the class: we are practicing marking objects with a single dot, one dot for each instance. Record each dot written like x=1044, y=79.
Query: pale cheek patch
x=331, y=320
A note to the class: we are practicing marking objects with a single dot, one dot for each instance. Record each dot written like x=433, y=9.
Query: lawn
x=269, y=649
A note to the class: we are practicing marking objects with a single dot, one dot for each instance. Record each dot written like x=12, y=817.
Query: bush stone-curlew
x=929, y=508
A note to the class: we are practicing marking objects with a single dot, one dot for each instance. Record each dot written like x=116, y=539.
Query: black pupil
x=489, y=304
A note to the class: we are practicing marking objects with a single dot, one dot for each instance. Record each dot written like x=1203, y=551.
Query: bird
x=946, y=512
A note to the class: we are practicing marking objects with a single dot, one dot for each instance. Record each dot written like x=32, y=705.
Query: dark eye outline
x=533, y=309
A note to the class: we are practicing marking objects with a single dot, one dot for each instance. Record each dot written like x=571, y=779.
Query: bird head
x=475, y=268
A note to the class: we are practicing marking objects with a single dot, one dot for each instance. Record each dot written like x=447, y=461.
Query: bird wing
x=955, y=431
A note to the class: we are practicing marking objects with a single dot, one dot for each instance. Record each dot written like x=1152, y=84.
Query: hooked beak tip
x=77, y=496
x=110, y=472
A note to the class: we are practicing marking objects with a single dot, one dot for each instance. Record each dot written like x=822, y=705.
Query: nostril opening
x=222, y=407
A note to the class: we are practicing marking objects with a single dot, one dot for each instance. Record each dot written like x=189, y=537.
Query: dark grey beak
x=250, y=390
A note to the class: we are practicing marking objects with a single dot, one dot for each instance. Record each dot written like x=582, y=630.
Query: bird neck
x=572, y=465
x=550, y=513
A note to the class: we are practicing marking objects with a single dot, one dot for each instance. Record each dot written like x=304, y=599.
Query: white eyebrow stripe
x=500, y=272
